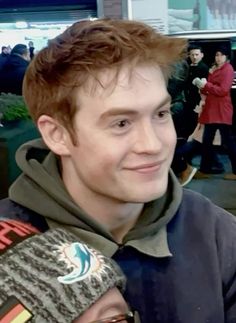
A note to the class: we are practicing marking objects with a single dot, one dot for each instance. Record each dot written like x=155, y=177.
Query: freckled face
x=126, y=139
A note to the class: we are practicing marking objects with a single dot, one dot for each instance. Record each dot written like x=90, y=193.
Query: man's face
x=27, y=56
x=110, y=304
x=195, y=55
x=126, y=139
x=5, y=51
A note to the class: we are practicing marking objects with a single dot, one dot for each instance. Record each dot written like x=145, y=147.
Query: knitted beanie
x=50, y=277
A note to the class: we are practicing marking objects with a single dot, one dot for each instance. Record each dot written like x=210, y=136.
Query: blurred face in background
x=31, y=44
x=195, y=55
x=220, y=58
x=26, y=56
x=5, y=50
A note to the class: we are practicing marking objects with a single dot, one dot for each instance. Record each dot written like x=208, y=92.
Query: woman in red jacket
x=217, y=112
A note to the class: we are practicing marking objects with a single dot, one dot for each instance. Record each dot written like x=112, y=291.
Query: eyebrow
x=122, y=110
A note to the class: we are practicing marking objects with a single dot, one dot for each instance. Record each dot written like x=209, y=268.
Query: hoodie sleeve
x=222, y=85
x=226, y=243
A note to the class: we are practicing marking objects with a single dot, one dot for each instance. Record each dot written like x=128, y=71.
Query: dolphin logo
x=82, y=259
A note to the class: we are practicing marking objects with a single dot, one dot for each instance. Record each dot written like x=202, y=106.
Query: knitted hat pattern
x=54, y=277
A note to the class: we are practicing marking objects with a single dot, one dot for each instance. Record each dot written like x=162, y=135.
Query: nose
x=148, y=140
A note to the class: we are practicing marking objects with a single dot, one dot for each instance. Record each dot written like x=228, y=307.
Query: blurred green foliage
x=13, y=107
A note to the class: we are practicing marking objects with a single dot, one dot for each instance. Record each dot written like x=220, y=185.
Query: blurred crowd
x=13, y=64
x=203, y=113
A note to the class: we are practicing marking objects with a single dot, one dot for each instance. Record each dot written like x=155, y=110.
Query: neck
x=219, y=65
x=117, y=216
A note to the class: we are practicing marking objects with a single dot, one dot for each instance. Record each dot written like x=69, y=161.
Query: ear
x=54, y=135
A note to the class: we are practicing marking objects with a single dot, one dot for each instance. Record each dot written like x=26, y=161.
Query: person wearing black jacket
x=199, y=69
x=31, y=49
x=3, y=56
x=13, y=71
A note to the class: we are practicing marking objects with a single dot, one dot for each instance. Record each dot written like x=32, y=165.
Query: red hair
x=81, y=52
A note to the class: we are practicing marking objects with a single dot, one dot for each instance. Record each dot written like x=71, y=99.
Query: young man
x=98, y=94
x=53, y=277
x=199, y=69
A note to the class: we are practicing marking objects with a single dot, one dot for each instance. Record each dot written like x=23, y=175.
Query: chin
x=155, y=191
x=151, y=197
x=145, y=196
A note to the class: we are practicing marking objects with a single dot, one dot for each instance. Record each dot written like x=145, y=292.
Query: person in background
x=13, y=71
x=9, y=49
x=197, y=68
x=176, y=85
x=217, y=112
x=98, y=93
x=186, y=121
x=3, y=56
x=31, y=49
x=183, y=170
x=54, y=277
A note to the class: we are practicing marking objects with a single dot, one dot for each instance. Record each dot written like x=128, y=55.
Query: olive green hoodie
x=41, y=189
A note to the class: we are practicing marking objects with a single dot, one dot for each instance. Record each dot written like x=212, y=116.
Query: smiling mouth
x=147, y=168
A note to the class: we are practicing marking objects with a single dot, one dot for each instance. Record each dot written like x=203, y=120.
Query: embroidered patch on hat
x=13, y=232
x=84, y=261
x=13, y=311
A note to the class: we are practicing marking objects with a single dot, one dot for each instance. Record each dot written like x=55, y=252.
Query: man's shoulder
x=228, y=67
x=197, y=202
x=197, y=207
x=202, y=64
x=190, y=195
x=203, y=67
x=14, y=211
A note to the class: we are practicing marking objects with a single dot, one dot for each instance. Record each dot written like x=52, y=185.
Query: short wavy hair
x=19, y=49
x=81, y=52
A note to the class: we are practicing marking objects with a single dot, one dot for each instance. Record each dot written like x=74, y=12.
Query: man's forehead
x=195, y=51
x=140, y=92
x=108, y=81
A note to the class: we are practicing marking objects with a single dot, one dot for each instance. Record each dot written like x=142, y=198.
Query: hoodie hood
x=41, y=189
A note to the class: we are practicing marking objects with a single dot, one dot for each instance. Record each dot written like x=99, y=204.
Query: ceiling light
x=21, y=24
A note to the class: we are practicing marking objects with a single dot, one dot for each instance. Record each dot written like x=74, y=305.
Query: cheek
x=111, y=151
x=113, y=157
x=170, y=143
x=100, y=159
x=170, y=138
